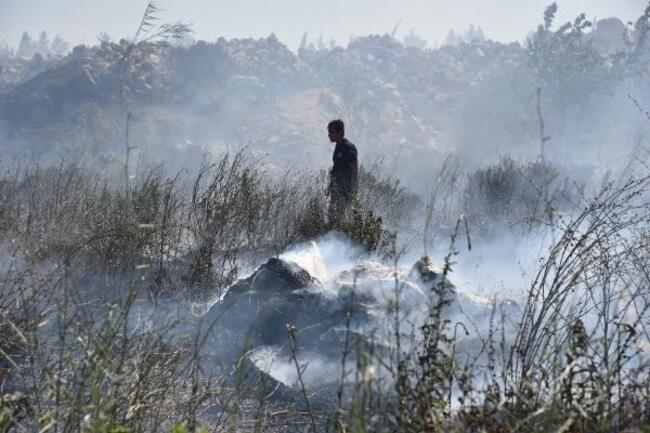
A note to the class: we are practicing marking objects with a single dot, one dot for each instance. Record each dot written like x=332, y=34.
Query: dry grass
x=81, y=353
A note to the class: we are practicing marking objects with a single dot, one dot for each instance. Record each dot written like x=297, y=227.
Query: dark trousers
x=339, y=208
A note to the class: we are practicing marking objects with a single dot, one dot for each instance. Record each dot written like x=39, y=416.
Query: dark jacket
x=345, y=172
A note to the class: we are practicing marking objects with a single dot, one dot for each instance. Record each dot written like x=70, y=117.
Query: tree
x=5, y=50
x=104, y=37
x=474, y=34
x=642, y=29
x=43, y=44
x=59, y=46
x=320, y=43
x=567, y=66
x=26, y=47
x=452, y=38
x=304, y=41
x=412, y=40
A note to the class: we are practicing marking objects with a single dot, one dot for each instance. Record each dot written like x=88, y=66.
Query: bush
x=509, y=193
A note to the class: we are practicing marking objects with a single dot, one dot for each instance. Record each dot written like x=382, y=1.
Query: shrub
x=509, y=193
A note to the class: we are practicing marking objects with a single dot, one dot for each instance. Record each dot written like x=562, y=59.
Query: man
x=342, y=188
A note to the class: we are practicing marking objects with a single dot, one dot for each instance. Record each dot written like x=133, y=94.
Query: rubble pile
x=408, y=104
x=408, y=96
x=15, y=70
x=87, y=75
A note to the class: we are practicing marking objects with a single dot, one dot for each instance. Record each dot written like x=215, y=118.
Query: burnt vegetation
x=110, y=278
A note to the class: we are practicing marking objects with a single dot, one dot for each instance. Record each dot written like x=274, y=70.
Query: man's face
x=334, y=135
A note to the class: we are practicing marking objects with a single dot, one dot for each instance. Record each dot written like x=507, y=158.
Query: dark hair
x=337, y=125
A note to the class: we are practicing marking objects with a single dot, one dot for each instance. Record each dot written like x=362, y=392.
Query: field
x=152, y=286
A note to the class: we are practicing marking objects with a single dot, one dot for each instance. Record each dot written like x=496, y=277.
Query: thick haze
x=80, y=21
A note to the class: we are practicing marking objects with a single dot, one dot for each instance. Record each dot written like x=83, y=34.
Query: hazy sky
x=80, y=21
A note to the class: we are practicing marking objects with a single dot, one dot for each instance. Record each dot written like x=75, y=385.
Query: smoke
x=503, y=265
x=340, y=266
x=317, y=370
x=325, y=258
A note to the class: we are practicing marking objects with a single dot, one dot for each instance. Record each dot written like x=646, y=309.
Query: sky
x=80, y=21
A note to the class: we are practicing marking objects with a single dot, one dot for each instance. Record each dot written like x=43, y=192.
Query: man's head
x=336, y=131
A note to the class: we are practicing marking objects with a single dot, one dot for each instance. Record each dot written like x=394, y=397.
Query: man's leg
x=333, y=217
x=336, y=210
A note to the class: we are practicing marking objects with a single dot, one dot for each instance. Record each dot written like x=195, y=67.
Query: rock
x=353, y=305
x=425, y=271
x=259, y=307
x=275, y=275
x=464, y=306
